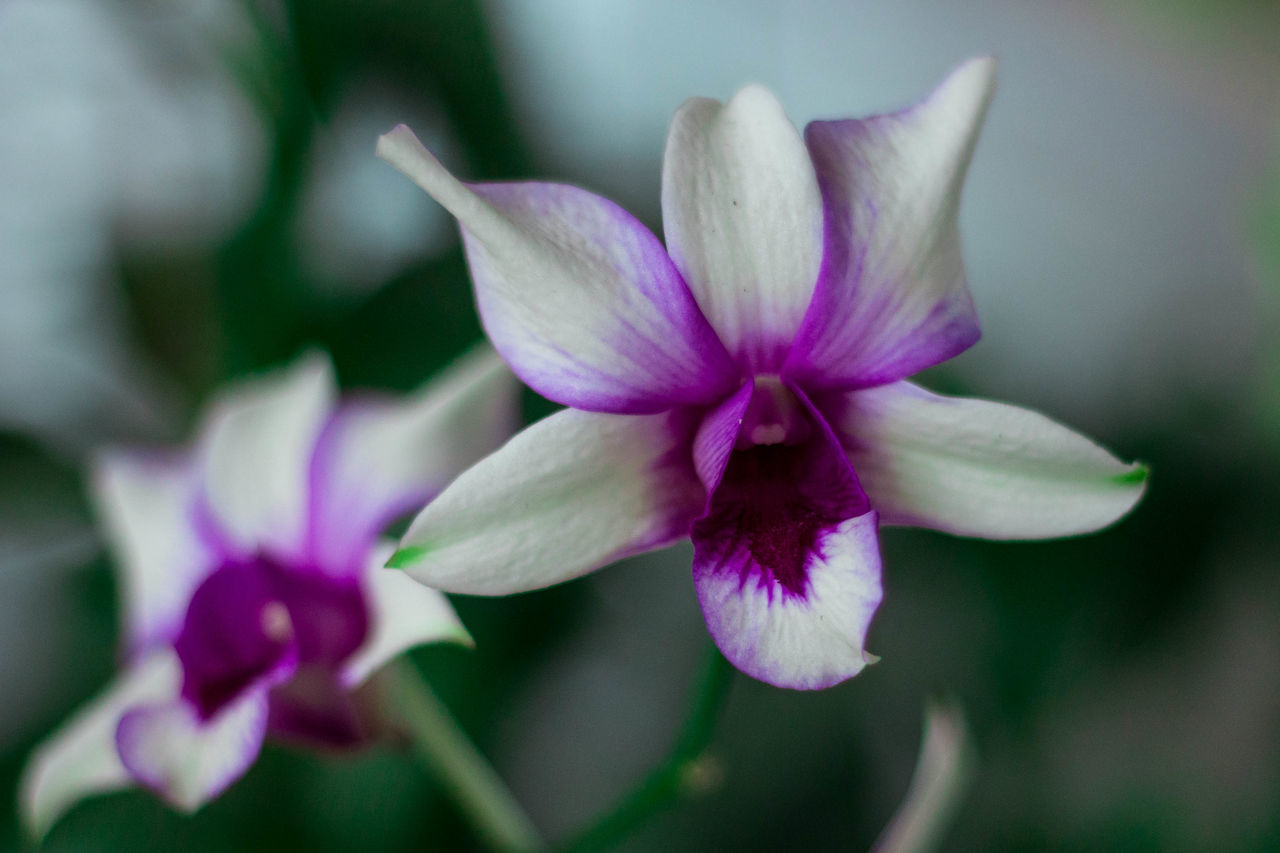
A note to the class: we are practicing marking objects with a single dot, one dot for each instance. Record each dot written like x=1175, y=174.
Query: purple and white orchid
x=745, y=385
x=254, y=597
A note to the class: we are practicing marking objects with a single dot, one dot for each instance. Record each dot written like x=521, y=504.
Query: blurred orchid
x=254, y=598
x=744, y=387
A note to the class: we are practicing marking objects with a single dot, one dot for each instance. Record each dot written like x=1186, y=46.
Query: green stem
x=683, y=772
x=457, y=764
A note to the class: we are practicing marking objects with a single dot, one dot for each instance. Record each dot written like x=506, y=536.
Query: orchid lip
x=256, y=622
x=778, y=497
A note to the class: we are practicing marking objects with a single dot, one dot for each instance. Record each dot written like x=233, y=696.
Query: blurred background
x=188, y=192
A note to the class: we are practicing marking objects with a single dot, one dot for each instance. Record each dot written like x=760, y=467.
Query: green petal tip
x=403, y=558
x=1135, y=476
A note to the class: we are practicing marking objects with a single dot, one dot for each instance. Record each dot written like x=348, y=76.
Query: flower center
x=256, y=622
x=785, y=486
x=275, y=622
x=774, y=416
x=759, y=520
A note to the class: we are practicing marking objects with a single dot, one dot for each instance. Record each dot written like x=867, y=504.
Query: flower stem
x=685, y=772
x=451, y=757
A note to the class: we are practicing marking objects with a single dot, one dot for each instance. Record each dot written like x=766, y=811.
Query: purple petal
x=237, y=634
x=168, y=748
x=253, y=624
x=379, y=459
x=329, y=616
x=892, y=298
x=717, y=435
x=579, y=297
x=786, y=561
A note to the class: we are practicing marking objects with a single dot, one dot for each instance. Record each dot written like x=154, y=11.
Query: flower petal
x=379, y=459
x=805, y=642
x=148, y=507
x=978, y=468
x=716, y=435
x=579, y=297
x=892, y=298
x=80, y=759
x=258, y=443
x=743, y=220
x=166, y=747
x=571, y=493
x=238, y=635
x=405, y=614
x=786, y=562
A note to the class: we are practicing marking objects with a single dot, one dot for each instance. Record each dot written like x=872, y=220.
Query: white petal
x=80, y=759
x=405, y=614
x=579, y=297
x=892, y=299
x=743, y=220
x=379, y=459
x=188, y=761
x=571, y=493
x=978, y=468
x=807, y=641
x=258, y=444
x=148, y=507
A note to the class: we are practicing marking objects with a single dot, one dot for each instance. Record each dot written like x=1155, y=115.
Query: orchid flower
x=745, y=386
x=254, y=598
